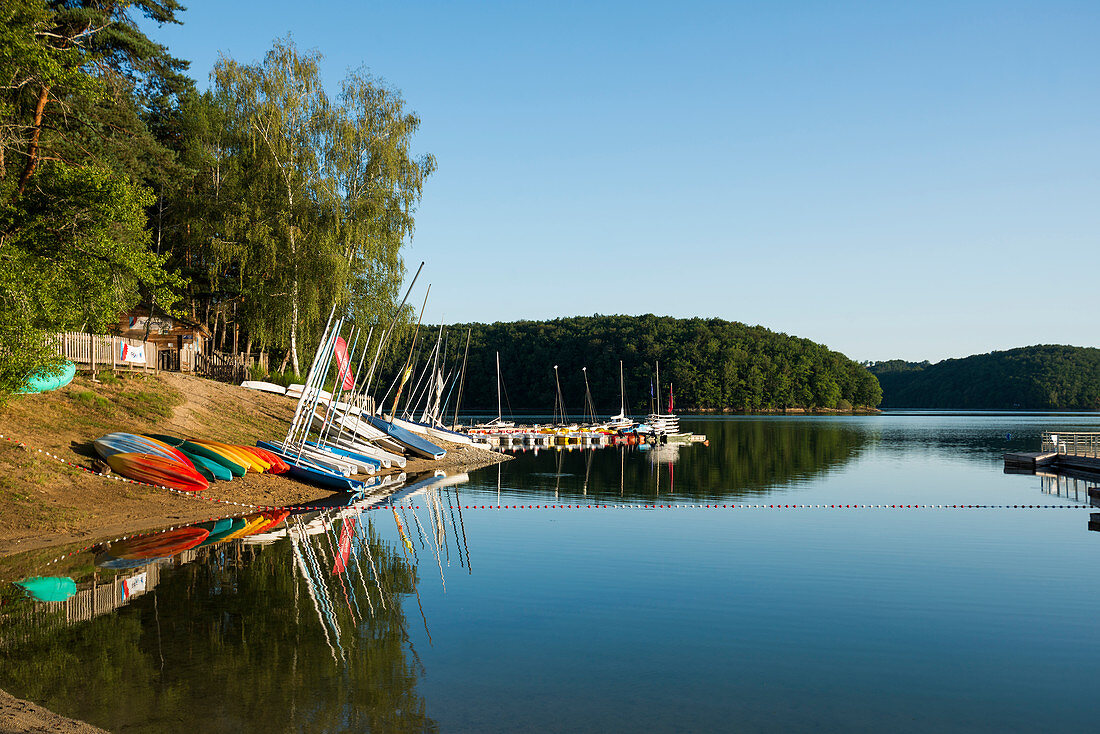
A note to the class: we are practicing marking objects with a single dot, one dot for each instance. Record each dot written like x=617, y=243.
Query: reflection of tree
x=744, y=458
x=233, y=642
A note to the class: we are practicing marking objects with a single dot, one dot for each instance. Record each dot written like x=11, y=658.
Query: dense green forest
x=253, y=207
x=711, y=364
x=1031, y=378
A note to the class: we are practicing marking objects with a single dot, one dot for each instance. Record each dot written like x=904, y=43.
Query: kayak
x=278, y=466
x=130, y=443
x=235, y=468
x=158, y=470
x=42, y=382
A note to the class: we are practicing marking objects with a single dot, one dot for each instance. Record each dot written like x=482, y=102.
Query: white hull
x=264, y=386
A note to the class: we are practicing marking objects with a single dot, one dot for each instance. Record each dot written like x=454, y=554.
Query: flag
x=344, y=364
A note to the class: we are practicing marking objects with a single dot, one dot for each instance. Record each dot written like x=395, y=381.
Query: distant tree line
x=253, y=207
x=1040, y=377
x=711, y=364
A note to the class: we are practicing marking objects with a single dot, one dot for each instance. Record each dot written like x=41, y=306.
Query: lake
x=449, y=614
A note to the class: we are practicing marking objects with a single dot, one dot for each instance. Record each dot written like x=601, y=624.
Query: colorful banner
x=344, y=364
x=130, y=353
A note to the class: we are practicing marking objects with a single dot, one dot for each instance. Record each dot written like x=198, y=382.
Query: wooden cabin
x=178, y=340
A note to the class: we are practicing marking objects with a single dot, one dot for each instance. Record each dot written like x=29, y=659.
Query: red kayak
x=278, y=466
x=159, y=470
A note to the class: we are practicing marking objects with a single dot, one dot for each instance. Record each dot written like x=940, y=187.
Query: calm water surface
x=636, y=619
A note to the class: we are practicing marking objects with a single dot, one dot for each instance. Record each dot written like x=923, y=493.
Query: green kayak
x=48, y=588
x=42, y=382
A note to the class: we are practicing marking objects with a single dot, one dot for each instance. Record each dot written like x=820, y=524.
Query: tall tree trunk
x=32, y=149
x=293, y=288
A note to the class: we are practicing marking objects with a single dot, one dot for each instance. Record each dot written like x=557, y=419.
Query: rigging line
x=407, y=369
x=389, y=329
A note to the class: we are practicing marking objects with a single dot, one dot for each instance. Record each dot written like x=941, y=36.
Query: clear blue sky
x=913, y=180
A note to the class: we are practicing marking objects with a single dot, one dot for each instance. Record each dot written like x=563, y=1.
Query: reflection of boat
x=159, y=545
x=48, y=588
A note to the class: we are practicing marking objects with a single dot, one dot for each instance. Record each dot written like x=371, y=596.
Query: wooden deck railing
x=97, y=351
x=1072, y=443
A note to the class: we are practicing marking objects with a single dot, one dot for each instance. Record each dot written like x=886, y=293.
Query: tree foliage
x=1043, y=377
x=77, y=81
x=711, y=364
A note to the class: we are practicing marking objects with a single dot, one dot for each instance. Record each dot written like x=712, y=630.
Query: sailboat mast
x=622, y=391
x=500, y=413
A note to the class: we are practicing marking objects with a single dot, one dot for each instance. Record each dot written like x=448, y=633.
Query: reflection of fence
x=92, y=351
x=102, y=598
x=1072, y=444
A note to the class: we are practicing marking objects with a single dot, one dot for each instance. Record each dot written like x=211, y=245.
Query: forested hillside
x=712, y=365
x=1031, y=378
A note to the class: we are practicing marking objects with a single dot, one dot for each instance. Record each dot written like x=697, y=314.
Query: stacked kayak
x=223, y=461
x=148, y=460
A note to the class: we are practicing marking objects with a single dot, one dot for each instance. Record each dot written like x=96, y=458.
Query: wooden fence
x=96, y=351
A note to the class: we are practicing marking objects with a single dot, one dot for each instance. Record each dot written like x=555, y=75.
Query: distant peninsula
x=1041, y=377
x=711, y=364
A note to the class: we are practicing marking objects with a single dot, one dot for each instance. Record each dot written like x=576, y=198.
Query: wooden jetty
x=1059, y=451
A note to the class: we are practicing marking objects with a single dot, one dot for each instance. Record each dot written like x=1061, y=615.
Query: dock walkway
x=1060, y=450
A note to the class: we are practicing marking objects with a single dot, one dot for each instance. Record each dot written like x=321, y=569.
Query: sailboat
x=621, y=421
x=663, y=424
x=498, y=422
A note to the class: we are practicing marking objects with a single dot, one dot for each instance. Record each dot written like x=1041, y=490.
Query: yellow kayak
x=236, y=453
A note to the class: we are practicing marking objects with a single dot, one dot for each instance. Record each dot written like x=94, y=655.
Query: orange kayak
x=159, y=470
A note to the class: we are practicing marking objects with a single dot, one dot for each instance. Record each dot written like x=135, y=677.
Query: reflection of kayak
x=40, y=382
x=159, y=545
x=103, y=559
x=48, y=588
x=252, y=523
x=223, y=527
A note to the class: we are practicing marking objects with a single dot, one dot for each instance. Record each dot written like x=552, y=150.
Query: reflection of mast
x=462, y=525
x=300, y=564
